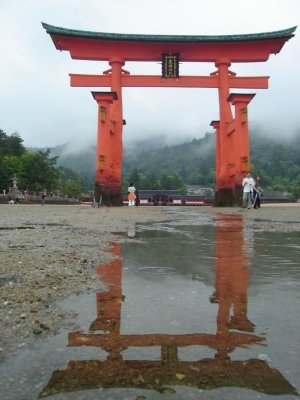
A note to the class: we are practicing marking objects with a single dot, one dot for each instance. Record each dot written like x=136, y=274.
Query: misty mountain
x=145, y=155
x=81, y=162
x=152, y=143
x=193, y=161
x=277, y=161
x=74, y=163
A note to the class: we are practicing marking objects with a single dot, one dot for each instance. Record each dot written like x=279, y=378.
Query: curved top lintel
x=286, y=33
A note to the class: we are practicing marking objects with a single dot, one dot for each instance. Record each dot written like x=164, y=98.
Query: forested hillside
x=277, y=162
x=192, y=162
x=81, y=162
x=149, y=166
x=171, y=167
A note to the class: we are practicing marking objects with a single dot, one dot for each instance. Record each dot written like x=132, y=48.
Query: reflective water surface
x=208, y=310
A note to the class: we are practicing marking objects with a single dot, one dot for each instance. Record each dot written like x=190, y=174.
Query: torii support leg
x=223, y=148
x=232, y=166
x=240, y=159
x=108, y=179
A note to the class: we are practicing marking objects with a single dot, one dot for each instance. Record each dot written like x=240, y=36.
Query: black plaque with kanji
x=170, y=65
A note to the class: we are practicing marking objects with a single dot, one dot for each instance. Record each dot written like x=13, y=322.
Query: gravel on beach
x=50, y=252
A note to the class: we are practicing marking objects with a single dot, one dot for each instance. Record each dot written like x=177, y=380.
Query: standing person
x=43, y=199
x=257, y=192
x=131, y=195
x=248, y=185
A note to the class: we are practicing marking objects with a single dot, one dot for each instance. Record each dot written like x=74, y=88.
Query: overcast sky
x=36, y=99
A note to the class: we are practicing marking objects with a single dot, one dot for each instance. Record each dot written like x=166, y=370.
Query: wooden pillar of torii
x=108, y=167
x=232, y=142
x=232, y=150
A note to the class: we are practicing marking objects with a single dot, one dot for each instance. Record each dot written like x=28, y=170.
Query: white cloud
x=37, y=101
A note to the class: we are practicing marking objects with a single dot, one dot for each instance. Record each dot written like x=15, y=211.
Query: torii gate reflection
x=231, y=284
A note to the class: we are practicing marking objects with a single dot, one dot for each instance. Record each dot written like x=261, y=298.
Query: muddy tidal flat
x=48, y=253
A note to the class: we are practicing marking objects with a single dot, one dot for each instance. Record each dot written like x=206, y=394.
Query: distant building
x=274, y=196
x=158, y=197
x=200, y=190
x=168, y=197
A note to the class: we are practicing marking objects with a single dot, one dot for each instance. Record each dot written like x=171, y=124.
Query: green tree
x=38, y=171
x=11, y=149
x=9, y=166
x=135, y=178
x=152, y=182
x=166, y=182
x=70, y=183
x=10, y=145
x=183, y=190
x=72, y=187
x=125, y=184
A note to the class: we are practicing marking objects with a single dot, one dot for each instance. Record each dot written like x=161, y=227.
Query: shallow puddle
x=208, y=310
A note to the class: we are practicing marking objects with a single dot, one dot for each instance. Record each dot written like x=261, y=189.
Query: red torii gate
x=232, y=142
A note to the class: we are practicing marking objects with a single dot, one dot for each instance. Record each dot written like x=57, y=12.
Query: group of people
x=17, y=200
x=252, y=191
x=13, y=201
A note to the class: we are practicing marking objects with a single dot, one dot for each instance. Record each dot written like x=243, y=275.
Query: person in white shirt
x=248, y=185
x=131, y=195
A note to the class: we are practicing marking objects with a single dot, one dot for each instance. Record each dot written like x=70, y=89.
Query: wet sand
x=50, y=252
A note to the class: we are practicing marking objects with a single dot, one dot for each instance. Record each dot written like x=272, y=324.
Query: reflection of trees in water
x=233, y=330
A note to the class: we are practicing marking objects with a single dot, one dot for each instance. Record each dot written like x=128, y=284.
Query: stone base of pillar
x=107, y=196
x=238, y=196
x=229, y=197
